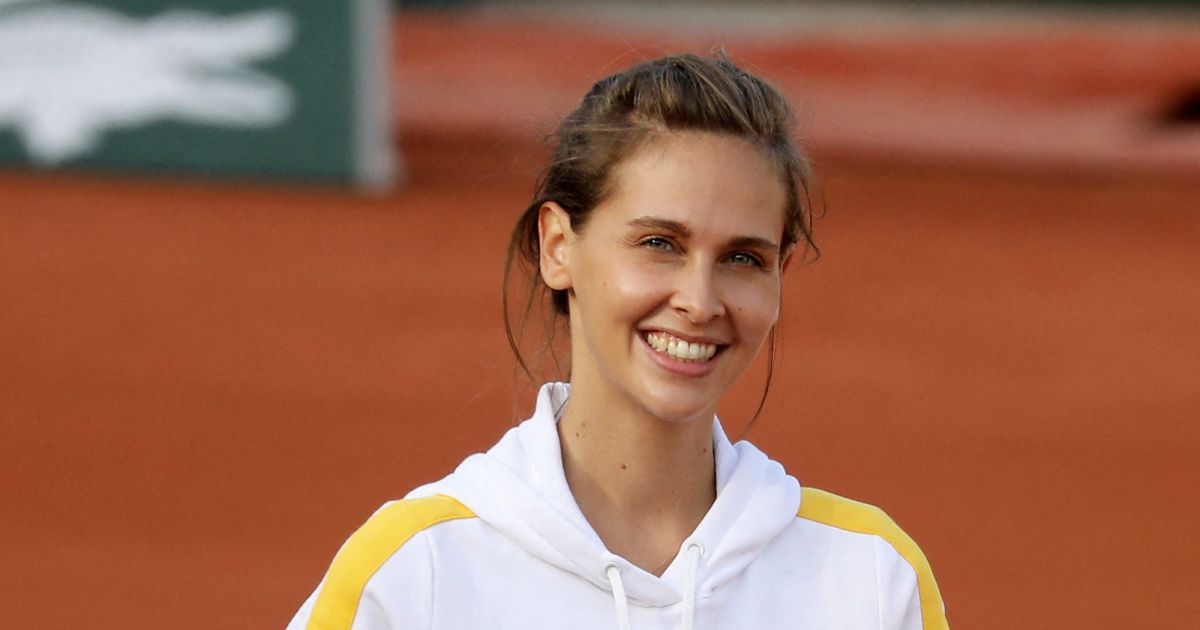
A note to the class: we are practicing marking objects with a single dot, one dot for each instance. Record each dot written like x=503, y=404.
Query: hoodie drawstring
x=694, y=551
x=618, y=590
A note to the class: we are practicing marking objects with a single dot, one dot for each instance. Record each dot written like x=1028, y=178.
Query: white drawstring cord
x=618, y=590
x=694, y=552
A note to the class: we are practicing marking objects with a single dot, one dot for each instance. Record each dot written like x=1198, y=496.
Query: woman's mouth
x=680, y=349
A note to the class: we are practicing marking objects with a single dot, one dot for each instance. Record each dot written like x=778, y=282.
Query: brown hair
x=617, y=116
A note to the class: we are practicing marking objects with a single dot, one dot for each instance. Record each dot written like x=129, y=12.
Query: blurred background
x=250, y=264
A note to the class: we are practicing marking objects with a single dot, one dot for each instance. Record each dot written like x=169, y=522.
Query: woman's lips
x=669, y=352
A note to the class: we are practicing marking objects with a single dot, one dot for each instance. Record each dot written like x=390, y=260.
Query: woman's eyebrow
x=666, y=225
x=753, y=242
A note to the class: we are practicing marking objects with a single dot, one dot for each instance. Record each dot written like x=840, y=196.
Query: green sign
x=265, y=88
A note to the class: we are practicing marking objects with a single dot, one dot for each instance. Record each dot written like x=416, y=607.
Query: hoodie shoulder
x=368, y=549
x=849, y=515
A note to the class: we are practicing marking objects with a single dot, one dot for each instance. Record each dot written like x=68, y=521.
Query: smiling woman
x=684, y=255
x=660, y=231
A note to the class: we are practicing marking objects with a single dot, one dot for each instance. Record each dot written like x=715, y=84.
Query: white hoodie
x=501, y=543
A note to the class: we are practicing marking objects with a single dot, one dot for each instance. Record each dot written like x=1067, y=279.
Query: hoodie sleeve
x=908, y=595
x=382, y=577
x=398, y=595
x=909, y=598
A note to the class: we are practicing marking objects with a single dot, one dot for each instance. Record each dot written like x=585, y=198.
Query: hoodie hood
x=519, y=488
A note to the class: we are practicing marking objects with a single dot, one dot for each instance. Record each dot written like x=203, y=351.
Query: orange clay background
x=205, y=387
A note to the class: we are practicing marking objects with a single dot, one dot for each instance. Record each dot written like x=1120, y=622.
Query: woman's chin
x=680, y=407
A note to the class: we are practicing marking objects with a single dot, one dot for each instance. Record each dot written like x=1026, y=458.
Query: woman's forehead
x=703, y=181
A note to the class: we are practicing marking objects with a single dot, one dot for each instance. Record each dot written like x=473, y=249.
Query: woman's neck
x=644, y=484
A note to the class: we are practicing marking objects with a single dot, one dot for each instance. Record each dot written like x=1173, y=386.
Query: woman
x=660, y=232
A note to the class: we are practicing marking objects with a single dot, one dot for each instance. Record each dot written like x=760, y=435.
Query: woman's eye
x=658, y=242
x=743, y=258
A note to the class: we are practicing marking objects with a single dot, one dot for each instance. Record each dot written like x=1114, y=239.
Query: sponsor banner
x=292, y=89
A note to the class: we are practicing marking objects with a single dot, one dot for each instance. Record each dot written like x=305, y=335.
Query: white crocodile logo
x=71, y=72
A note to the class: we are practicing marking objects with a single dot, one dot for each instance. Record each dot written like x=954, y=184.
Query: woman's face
x=674, y=282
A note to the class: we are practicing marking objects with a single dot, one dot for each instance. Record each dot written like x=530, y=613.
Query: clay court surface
x=205, y=387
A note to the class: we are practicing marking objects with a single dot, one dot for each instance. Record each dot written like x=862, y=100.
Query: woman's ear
x=554, y=240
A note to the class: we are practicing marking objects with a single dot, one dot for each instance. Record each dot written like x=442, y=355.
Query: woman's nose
x=696, y=296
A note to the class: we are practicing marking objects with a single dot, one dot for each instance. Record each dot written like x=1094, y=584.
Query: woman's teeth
x=679, y=349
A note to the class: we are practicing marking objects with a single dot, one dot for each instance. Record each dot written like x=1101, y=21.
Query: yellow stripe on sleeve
x=830, y=509
x=368, y=549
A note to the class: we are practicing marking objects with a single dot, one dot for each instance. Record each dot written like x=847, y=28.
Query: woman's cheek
x=640, y=286
x=756, y=305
